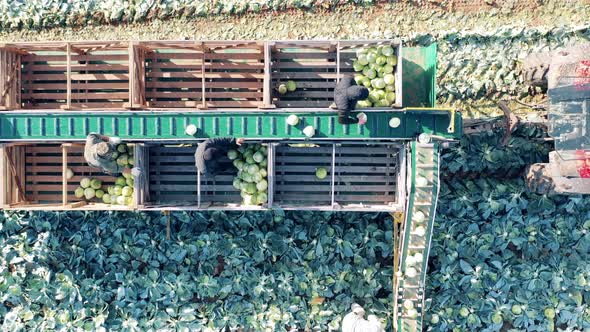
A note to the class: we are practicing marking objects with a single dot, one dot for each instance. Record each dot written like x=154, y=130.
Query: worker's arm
x=226, y=142
x=94, y=138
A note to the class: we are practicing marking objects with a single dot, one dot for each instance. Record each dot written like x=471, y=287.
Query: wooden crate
x=312, y=66
x=367, y=174
x=174, y=75
x=174, y=181
x=82, y=75
x=360, y=176
x=295, y=182
x=44, y=80
x=316, y=68
x=37, y=171
x=234, y=74
x=10, y=80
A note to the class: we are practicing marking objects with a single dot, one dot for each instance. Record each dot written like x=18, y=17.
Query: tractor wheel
x=539, y=180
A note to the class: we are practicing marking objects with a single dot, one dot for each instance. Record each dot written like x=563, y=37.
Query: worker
x=101, y=152
x=211, y=155
x=355, y=321
x=346, y=94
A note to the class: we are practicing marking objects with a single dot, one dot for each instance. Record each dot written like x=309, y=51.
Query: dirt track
x=382, y=21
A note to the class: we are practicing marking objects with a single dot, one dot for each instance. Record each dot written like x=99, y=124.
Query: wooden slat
x=235, y=75
x=236, y=103
x=87, y=57
x=88, y=95
x=234, y=94
x=174, y=94
x=305, y=65
x=234, y=56
x=365, y=199
x=306, y=75
x=234, y=65
x=195, y=56
x=304, y=56
x=77, y=67
x=174, y=75
x=173, y=104
x=193, y=187
x=29, y=76
x=85, y=86
x=176, y=85
x=307, y=197
x=100, y=77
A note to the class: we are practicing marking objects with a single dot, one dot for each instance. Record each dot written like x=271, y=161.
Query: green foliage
x=118, y=271
x=37, y=14
x=502, y=258
x=511, y=258
x=484, y=153
x=486, y=65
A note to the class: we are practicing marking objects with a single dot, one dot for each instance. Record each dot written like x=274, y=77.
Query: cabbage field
x=502, y=260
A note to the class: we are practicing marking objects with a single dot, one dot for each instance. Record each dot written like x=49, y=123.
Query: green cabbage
x=89, y=193
x=85, y=183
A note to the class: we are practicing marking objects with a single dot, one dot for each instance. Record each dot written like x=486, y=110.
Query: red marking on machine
x=583, y=163
x=582, y=73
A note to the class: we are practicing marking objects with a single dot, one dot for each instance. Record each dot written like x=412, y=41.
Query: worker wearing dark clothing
x=346, y=95
x=211, y=155
x=101, y=152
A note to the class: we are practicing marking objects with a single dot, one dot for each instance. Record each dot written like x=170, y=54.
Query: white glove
x=135, y=171
x=115, y=140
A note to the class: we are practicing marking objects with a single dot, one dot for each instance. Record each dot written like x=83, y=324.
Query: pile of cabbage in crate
x=376, y=67
x=121, y=193
x=251, y=163
x=124, y=156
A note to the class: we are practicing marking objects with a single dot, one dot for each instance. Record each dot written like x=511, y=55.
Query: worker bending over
x=346, y=95
x=100, y=151
x=211, y=155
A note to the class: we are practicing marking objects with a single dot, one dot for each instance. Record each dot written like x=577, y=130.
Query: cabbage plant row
x=505, y=259
x=474, y=66
x=486, y=155
x=39, y=14
x=267, y=271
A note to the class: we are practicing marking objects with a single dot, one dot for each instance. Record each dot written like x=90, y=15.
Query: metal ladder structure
x=415, y=236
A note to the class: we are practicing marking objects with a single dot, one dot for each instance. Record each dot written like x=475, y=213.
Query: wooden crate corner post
x=10, y=63
x=205, y=51
x=64, y=161
x=141, y=184
x=137, y=90
x=13, y=173
x=68, y=76
x=267, y=86
x=3, y=178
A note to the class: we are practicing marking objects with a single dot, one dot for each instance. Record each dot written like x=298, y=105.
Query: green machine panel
x=253, y=124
